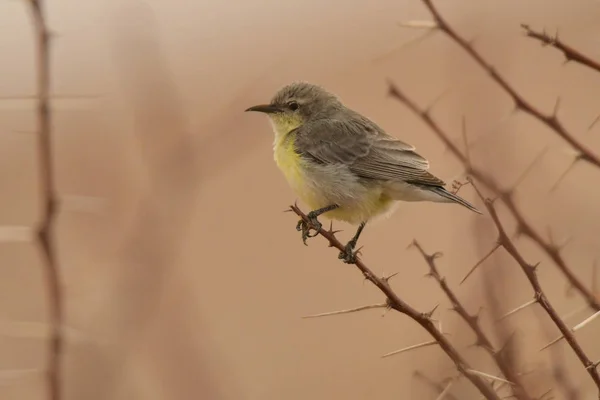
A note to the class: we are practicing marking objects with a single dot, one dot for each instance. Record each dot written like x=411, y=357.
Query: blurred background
x=182, y=276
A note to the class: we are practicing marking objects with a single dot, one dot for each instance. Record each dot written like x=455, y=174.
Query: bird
x=343, y=165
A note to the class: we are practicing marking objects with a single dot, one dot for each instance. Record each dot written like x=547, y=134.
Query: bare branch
x=48, y=193
x=396, y=303
x=569, y=52
x=530, y=273
x=549, y=120
x=473, y=323
x=523, y=226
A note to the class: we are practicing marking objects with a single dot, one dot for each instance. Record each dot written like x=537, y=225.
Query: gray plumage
x=349, y=159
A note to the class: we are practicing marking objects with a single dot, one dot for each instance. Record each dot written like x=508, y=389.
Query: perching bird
x=343, y=165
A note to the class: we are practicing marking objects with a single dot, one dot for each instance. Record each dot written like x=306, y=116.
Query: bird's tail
x=452, y=198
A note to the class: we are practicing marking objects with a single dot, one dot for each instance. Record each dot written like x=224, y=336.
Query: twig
x=550, y=120
x=473, y=323
x=423, y=319
x=523, y=226
x=530, y=272
x=569, y=52
x=48, y=194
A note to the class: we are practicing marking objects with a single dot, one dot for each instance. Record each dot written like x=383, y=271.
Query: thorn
x=347, y=311
x=586, y=321
x=593, y=365
x=552, y=342
x=492, y=377
x=429, y=314
x=387, y=278
x=359, y=251
x=555, y=110
x=564, y=175
x=481, y=261
x=444, y=392
x=521, y=307
x=594, y=122
x=409, y=348
x=422, y=24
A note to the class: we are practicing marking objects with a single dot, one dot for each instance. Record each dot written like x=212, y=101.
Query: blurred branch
x=570, y=53
x=523, y=226
x=503, y=239
x=550, y=120
x=48, y=194
x=531, y=274
x=473, y=323
x=423, y=319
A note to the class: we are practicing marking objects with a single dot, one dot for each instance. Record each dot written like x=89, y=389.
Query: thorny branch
x=530, y=272
x=48, y=193
x=569, y=52
x=423, y=319
x=550, y=120
x=523, y=226
x=473, y=323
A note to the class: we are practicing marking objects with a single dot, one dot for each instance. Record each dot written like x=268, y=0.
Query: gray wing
x=365, y=149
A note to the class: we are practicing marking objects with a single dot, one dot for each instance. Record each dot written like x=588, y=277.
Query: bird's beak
x=265, y=108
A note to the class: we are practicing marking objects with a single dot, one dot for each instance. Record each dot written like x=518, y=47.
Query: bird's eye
x=293, y=105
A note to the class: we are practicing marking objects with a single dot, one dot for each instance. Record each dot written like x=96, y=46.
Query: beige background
x=182, y=276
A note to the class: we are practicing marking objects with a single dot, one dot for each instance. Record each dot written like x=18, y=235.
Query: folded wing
x=365, y=149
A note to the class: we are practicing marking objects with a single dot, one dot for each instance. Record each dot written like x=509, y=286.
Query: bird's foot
x=348, y=255
x=305, y=227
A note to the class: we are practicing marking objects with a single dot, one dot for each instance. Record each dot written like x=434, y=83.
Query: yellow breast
x=288, y=161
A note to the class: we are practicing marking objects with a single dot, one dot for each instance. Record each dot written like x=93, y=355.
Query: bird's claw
x=305, y=227
x=348, y=255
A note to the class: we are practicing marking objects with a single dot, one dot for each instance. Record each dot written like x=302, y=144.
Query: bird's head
x=297, y=103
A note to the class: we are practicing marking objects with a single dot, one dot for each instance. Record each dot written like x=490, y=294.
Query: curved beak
x=265, y=108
